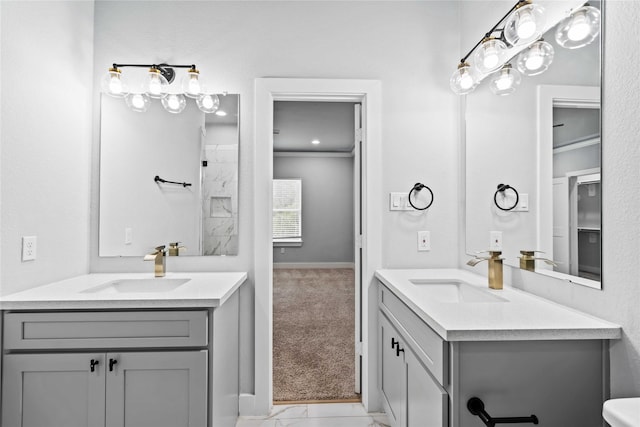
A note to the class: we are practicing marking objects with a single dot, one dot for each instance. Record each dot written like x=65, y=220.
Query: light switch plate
x=399, y=202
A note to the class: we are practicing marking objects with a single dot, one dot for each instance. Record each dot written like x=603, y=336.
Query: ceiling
x=297, y=123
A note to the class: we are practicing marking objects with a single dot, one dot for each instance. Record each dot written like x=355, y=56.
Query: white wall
x=47, y=92
x=618, y=301
x=327, y=208
x=398, y=43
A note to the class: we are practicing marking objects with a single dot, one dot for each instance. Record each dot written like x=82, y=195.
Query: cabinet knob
x=394, y=343
x=398, y=350
x=93, y=364
x=111, y=363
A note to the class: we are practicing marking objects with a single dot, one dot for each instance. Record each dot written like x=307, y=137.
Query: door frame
x=266, y=91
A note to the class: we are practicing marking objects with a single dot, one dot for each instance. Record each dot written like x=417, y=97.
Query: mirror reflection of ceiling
x=297, y=123
x=228, y=106
x=571, y=125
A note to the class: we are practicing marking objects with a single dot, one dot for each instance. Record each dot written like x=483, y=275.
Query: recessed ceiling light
x=315, y=142
x=221, y=113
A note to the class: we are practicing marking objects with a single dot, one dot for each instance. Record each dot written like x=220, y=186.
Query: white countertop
x=522, y=316
x=622, y=412
x=202, y=290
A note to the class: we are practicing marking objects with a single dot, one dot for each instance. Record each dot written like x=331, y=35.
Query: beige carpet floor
x=313, y=334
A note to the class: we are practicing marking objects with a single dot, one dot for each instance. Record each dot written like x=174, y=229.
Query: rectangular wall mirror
x=544, y=141
x=193, y=200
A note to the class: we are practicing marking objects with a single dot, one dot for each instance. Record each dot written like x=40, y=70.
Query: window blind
x=287, y=208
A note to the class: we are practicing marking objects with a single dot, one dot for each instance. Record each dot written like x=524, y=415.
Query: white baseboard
x=247, y=404
x=313, y=265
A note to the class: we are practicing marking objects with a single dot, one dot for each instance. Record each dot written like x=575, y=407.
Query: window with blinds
x=287, y=210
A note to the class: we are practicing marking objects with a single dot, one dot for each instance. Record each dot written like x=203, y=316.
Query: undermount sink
x=455, y=291
x=157, y=284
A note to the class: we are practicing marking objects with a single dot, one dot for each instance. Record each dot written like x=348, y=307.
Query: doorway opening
x=316, y=225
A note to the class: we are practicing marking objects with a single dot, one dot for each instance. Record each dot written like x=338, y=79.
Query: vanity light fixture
x=580, y=28
x=535, y=59
x=523, y=25
x=505, y=81
x=157, y=84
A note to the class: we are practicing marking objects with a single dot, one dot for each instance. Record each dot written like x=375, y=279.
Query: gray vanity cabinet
x=121, y=368
x=412, y=397
x=89, y=389
x=429, y=381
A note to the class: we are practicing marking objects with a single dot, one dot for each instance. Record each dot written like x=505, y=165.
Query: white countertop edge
x=17, y=301
x=608, y=331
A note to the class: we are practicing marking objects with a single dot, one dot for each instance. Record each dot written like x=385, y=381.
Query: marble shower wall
x=220, y=199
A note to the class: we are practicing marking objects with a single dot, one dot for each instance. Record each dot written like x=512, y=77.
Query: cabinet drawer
x=429, y=347
x=59, y=330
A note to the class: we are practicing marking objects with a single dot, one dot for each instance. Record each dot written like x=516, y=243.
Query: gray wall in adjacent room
x=327, y=208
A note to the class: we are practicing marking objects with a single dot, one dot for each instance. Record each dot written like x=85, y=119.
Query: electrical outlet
x=29, y=248
x=424, y=241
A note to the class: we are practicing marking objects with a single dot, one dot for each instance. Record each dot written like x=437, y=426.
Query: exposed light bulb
x=191, y=83
x=221, y=113
x=174, y=103
x=208, y=103
x=315, y=142
x=113, y=84
x=580, y=28
x=138, y=102
x=505, y=81
x=463, y=80
x=466, y=81
x=536, y=59
x=533, y=62
x=155, y=84
x=526, y=26
x=488, y=56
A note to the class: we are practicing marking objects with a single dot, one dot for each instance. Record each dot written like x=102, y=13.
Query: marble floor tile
x=254, y=422
x=332, y=422
x=336, y=410
x=289, y=411
x=317, y=415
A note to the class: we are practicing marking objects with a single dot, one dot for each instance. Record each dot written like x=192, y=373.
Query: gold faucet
x=495, y=267
x=174, y=249
x=528, y=260
x=159, y=257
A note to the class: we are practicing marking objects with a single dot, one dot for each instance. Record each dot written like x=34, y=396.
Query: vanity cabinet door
x=393, y=372
x=157, y=389
x=44, y=390
x=427, y=401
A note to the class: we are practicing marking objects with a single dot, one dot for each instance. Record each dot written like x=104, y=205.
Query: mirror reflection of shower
x=577, y=196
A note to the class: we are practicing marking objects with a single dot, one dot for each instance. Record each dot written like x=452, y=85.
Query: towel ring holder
x=417, y=188
x=502, y=188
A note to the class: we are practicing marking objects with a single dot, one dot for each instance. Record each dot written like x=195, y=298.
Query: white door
x=357, y=192
x=561, y=236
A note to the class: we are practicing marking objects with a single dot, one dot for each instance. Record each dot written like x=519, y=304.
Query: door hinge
x=359, y=348
x=359, y=241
